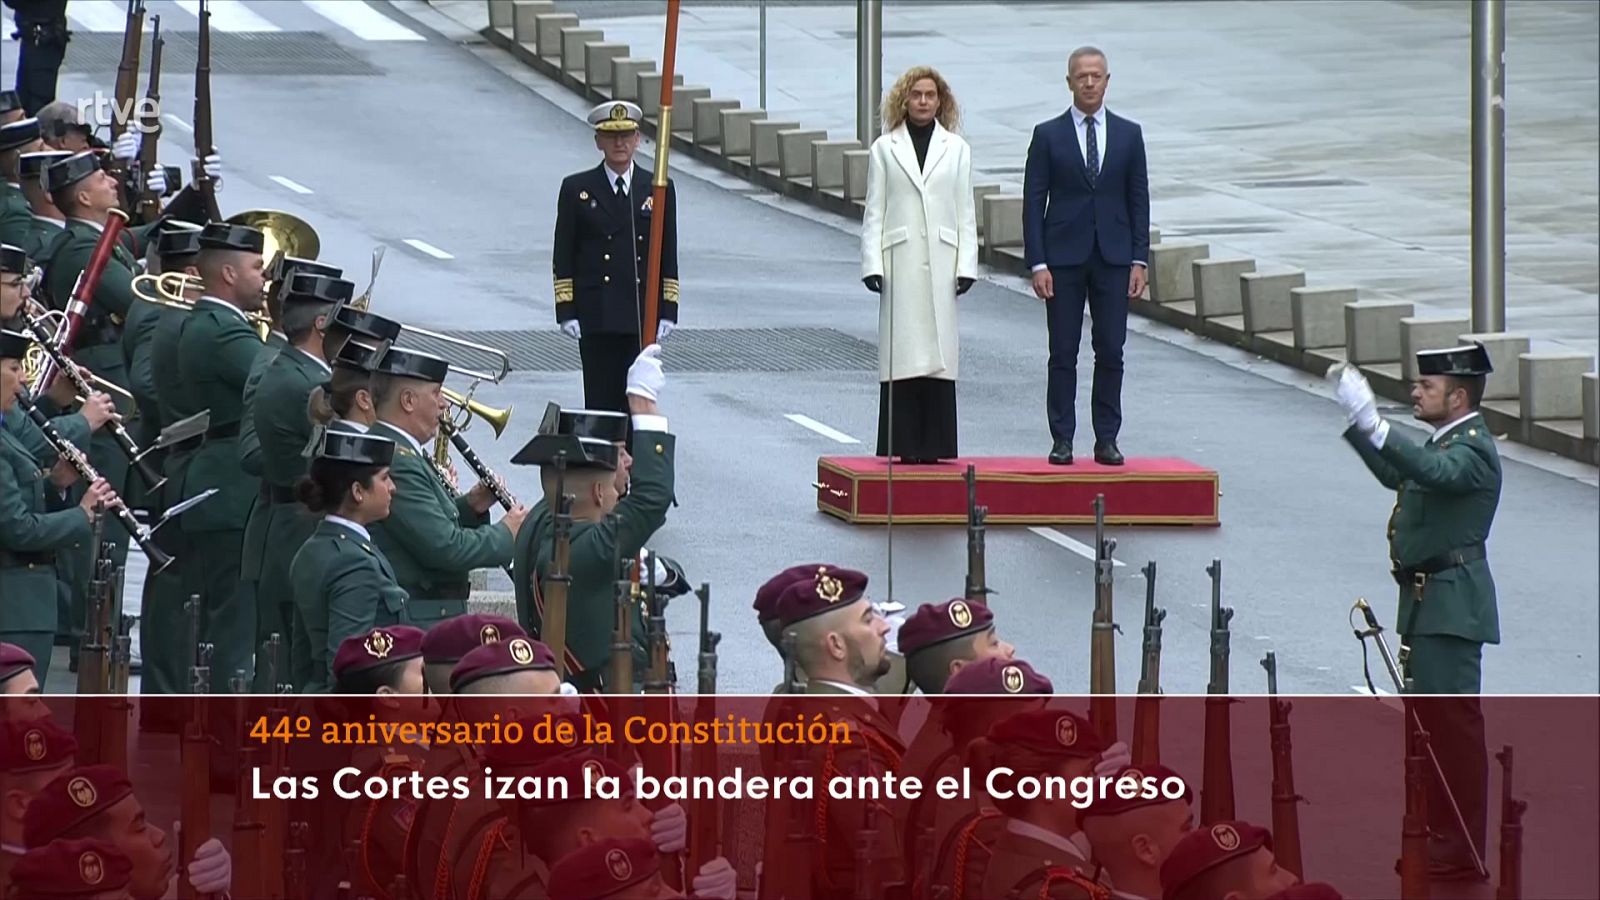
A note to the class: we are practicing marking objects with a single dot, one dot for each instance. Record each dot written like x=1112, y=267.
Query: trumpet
x=171, y=289
x=454, y=421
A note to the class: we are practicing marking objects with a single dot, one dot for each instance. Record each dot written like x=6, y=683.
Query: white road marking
x=98, y=15
x=829, y=433
x=364, y=21
x=229, y=15
x=427, y=248
x=1067, y=543
x=291, y=184
x=1263, y=637
x=176, y=122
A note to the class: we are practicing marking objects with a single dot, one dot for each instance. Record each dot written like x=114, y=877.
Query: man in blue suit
x=1086, y=231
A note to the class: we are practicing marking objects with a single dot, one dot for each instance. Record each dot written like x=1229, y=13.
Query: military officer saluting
x=601, y=257
x=1448, y=488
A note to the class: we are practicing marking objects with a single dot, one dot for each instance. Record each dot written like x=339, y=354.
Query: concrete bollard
x=1155, y=237
x=1002, y=220
x=597, y=58
x=764, y=141
x=1505, y=383
x=794, y=151
x=980, y=191
x=707, y=115
x=683, y=97
x=1372, y=330
x=1552, y=384
x=525, y=15
x=574, y=41
x=736, y=130
x=1591, y=406
x=649, y=98
x=625, y=72
x=1318, y=316
x=1264, y=297
x=827, y=163
x=1172, y=269
x=1417, y=334
x=855, y=174
x=1216, y=286
x=547, y=33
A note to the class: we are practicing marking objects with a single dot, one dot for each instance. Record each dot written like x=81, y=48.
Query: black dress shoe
x=1061, y=454
x=1107, y=454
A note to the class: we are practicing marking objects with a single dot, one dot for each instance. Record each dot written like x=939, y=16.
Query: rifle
x=786, y=852
x=204, y=144
x=553, y=619
x=91, y=653
x=791, y=671
x=621, y=668
x=705, y=821
x=1147, y=708
x=708, y=643
x=127, y=68
x=658, y=677
x=1511, y=810
x=1216, y=792
x=866, y=851
x=977, y=572
x=195, y=752
x=1414, y=878
x=294, y=861
x=119, y=709
x=274, y=812
x=248, y=830
x=1103, y=642
x=149, y=201
x=1285, y=802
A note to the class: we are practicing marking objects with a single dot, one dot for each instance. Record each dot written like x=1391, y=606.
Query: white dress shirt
x=327, y=369
x=353, y=526
x=415, y=444
x=647, y=422
x=627, y=178
x=348, y=425
x=1079, y=117
x=1444, y=430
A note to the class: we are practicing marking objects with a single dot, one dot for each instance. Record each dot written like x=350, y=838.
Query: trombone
x=502, y=361
x=171, y=289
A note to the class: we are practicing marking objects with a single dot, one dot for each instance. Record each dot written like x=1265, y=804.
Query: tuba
x=286, y=235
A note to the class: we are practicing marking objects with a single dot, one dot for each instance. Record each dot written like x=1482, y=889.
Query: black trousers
x=924, y=426
x=43, y=30
x=1450, y=668
x=606, y=358
x=1104, y=287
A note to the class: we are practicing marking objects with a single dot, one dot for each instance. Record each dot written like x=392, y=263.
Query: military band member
x=1130, y=837
x=433, y=539
x=73, y=870
x=515, y=665
x=601, y=259
x=1447, y=491
x=344, y=401
x=48, y=221
x=447, y=642
x=597, y=540
x=11, y=109
x=343, y=585
x=97, y=802
x=33, y=753
x=16, y=216
x=1225, y=861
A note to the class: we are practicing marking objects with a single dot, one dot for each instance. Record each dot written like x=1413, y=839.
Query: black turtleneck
x=920, y=136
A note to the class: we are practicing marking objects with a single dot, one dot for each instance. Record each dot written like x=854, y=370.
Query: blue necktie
x=1094, y=151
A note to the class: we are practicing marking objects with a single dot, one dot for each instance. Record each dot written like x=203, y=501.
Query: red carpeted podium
x=1019, y=491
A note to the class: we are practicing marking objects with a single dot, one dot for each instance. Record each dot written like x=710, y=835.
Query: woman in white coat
x=919, y=251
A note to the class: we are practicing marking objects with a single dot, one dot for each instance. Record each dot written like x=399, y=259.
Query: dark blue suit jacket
x=1063, y=216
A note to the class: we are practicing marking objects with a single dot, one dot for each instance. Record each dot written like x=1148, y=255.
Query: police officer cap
x=581, y=452
x=617, y=115
x=32, y=165
x=455, y=637
x=994, y=675
x=936, y=623
x=76, y=796
x=355, y=448
x=65, y=173
x=605, y=424
x=405, y=363
x=368, y=325
x=290, y=266
x=225, y=236
x=14, y=345
x=10, y=101
x=178, y=240
x=604, y=869
x=378, y=647
x=67, y=869
x=1463, y=362
x=501, y=658
x=16, y=134
x=309, y=287
x=34, y=746
x=829, y=588
x=14, y=661
x=13, y=260
x=355, y=357
x=1203, y=849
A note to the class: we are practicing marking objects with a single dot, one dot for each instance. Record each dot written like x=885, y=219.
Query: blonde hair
x=894, y=103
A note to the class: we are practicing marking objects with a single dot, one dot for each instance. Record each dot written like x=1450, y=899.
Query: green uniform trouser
x=39, y=644
x=229, y=625
x=1447, y=665
x=163, y=630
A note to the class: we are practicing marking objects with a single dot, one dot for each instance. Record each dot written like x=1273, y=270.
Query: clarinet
x=152, y=479
x=501, y=495
x=78, y=460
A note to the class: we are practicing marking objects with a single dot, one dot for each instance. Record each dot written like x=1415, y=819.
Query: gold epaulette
x=669, y=290
x=563, y=288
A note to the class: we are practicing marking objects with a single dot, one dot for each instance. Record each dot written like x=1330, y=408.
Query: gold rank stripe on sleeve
x=563, y=287
x=669, y=290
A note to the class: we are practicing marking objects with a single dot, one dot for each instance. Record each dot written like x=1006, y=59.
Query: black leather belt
x=16, y=559
x=273, y=493
x=1414, y=575
x=222, y=432
x=459, y=591
x=190, y=444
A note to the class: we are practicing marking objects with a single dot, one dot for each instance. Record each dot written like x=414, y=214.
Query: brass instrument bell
x=286, y=234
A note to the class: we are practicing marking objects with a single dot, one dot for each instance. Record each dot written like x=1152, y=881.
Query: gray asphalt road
x=442, y=147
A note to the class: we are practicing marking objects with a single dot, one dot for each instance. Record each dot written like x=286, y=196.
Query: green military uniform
x=42, y=233
x=16, y=216
x=338, y=570
x=41, y=230
x=268, y=618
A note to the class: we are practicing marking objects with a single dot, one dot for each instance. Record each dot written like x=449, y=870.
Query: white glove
x=656, y=565
x=664, y=328
x=212, y=869
x=716, y=880
x=567, y=690
x=156, y=182
x=669, y=828
x=570, y=329
x=1113, y=758
x=645, y=377
x=1360, y=405
x=212, y=166
x=126, y=146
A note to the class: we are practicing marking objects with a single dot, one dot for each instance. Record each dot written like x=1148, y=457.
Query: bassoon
x=83, y=295
x=1147, y=708
x=204, y=142
x=558, y=583
x=1216, y=792
x=977, y=590
x=1511, y=810
x=1285, y=802
x=195, y=753
x=1103, y=640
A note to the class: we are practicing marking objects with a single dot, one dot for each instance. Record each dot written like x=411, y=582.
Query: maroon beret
x=829, y=588
x=1203, y=849
x=935, y=623
x=35, y=746
x=1312, y=890
x=603, y=869
x=993, y=675
x=455, y=637
x=1051, y=731
x=575, y=769
x=766, y=605
x=80, y=868
x=73, y=798
x=1112, y=804
x=377, y=647
x=14, y=661
x=501, y=658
